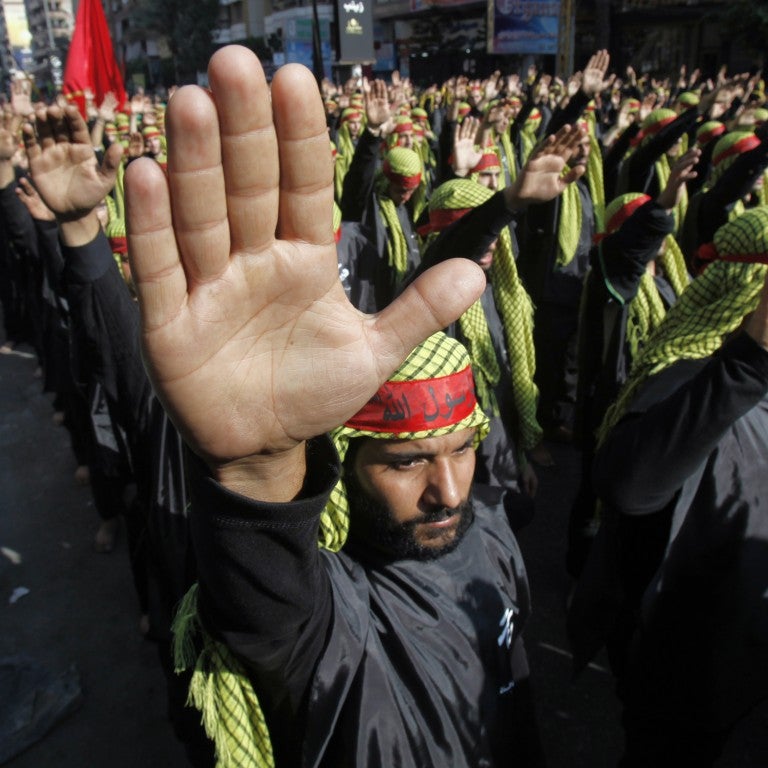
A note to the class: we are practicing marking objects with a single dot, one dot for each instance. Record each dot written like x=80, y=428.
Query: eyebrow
x=416, y=454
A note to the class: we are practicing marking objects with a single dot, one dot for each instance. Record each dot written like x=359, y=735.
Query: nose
x=493, y=182
x=443, y=486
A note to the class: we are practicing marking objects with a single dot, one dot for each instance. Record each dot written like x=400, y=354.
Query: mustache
x=438, y=514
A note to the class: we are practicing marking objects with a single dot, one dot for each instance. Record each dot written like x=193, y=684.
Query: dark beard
x=372, y=528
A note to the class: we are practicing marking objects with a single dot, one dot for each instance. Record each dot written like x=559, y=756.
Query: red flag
x=91, y=62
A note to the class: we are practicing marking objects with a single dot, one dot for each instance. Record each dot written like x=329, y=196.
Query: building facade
x=429, y=40
x=50, y=23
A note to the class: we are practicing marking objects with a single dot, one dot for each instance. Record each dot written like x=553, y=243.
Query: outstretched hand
x=21, y=99
x=377, y=111
x=542, y=178
x=680, y=173
x=9, y=134
x=63, y=165
x=593, y=78
x=466, y=155
x=248, y=336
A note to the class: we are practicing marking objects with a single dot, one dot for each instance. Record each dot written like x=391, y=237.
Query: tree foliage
x=746, y=21
x=187, y=28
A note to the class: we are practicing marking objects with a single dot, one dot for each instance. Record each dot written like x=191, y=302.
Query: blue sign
x=523, y=26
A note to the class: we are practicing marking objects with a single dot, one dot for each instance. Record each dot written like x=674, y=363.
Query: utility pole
x=565, y=42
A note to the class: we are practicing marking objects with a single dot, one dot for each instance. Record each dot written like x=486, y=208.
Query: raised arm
x=248, y=336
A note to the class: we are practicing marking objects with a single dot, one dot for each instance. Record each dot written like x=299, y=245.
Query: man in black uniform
x=404, y=648
x=677, y=578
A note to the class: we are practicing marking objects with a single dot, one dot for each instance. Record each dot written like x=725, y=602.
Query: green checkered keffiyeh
x=724, y=154
x=529, y=134
x=571, y=214
x=220, y=686
x=516, y=313
x=402, y=162
x=221, y=690
x=708, y=131
x=344, y=142
x=595, y=175
x=646, y=310
x=652, y=124
x=438, y=356
x=663, y=171
x=507, y=151
x=713, y=306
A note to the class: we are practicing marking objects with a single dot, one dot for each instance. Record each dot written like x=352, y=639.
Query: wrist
x=512, y=199
x=277, y=477
x=78, y=230
x=7, y=175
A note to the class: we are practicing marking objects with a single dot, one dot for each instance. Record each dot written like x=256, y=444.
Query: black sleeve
x=516, y=126
x=471, y=236
x=733, y=185
x=358, y=183
x=437, y=120
x=643, y=158
x=105, y=321
x=50, y=252
x=675, y=422
x=19, y=224
x=624, y=255
x=262, y=586
x=568, y=114
x=613, y=158
x=445, y=149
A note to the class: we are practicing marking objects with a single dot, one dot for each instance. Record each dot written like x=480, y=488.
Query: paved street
x=81, y=607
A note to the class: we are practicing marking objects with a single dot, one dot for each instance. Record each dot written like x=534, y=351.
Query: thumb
x=112, y=159
x=430, y=304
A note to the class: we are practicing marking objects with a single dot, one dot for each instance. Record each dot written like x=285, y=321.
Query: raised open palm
x=248, y=336
x=63, y=164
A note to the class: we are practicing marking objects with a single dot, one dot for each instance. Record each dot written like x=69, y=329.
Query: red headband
x=418, y=406
x=119, y=245
x=408, y=182
x=651, y=130
x=617, y=220
x=742, y=145
x=708, y=252
x=403, y=127
x=487, y=160
x=442, y=219
x=706, y=136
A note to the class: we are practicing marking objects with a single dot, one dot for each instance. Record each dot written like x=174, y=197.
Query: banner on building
x=355, y=31
x=299, y=44
x=523, y=26
x=423, y=5
x=91, y=61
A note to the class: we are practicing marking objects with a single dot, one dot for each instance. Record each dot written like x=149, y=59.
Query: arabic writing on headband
x=399, y=408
